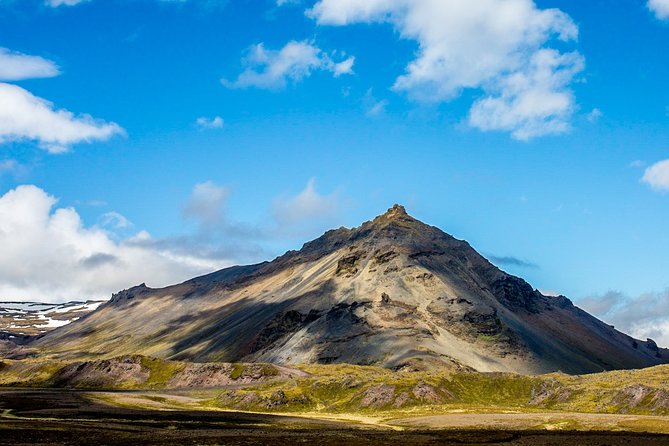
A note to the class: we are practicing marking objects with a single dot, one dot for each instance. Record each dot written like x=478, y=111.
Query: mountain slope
x=393, y=292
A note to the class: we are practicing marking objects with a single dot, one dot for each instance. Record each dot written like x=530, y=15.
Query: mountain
x=18, y=319
x=393, y=292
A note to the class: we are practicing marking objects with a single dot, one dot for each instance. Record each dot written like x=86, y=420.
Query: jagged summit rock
x=396, y=211
x=394, y=292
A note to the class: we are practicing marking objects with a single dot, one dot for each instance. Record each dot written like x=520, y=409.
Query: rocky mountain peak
x=396, y=210
x=397, y=213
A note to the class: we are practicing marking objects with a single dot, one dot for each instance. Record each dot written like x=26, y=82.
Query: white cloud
x=307, y=213
x=496, y=46
x=206, y=204
x=645, y=316
x=17, y=66
x=273, y=69
x=27, y=117
x=209, y=123
x=49, y=254
x=657, y=176
x=343, y=67
x=533, y=101
x=660, y=8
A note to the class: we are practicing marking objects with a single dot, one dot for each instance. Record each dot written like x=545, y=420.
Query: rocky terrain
x=394, y=292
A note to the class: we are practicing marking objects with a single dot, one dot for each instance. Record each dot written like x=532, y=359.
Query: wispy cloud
x=57, y=3
x=594, y=115
x=512, y=261
x=657, y=176
x=115, y=220
x=209, y=123
x=660, y=8
x=207, y=203
x=372, y=105
x=273, y=69
x=8, y=165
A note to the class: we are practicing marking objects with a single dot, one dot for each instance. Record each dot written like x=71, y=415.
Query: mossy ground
x=160, y=372
x=371, y=391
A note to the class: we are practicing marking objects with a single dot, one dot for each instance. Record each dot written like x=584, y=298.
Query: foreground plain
x=79, y=417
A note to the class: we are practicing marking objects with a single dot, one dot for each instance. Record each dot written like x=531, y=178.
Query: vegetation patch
x=369, y=391
x=160, y=371
x=237, y=371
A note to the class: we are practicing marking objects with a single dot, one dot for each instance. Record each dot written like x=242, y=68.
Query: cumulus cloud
x=209, y=123
x=496, y=46
x=273, y=69
x=17, y=66
x=644, y=316
x=48, y=253
x=532, y=102
x=657, y=176
x=660, y=8
x=24, y=116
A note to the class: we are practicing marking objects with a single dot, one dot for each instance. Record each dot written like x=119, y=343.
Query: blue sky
x=199, y=134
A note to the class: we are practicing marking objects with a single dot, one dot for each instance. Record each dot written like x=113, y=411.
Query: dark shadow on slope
x=234, y=331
